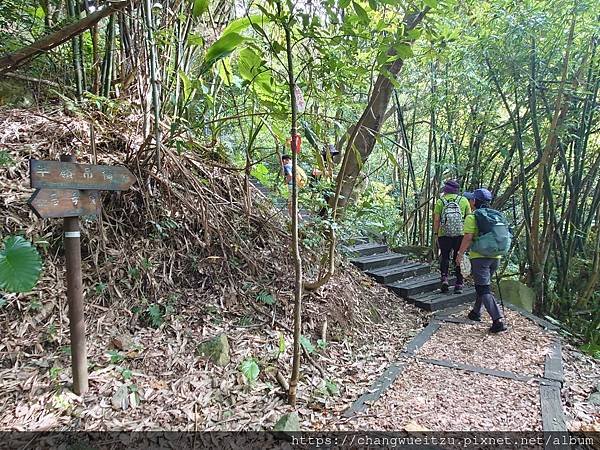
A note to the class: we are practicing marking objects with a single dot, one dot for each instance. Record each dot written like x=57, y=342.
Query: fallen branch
x=16, y=59
x=17, y=76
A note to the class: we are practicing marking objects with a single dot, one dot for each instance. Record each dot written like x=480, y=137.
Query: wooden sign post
x=67, y=189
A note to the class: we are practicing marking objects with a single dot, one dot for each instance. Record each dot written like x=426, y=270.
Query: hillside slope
x=174, y=261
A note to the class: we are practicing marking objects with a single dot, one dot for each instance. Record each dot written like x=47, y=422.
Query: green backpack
x=494, y=237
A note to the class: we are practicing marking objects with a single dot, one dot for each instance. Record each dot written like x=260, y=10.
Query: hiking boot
x=474, y=316
x=498, y=326
x=445, y=284
x=458, y=288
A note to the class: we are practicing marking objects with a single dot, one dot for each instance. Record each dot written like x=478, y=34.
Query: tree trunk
x=374, y=114
x=154, y=83
x=295, y=244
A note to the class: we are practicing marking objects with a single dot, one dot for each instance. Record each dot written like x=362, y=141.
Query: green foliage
x=20, y=265
x=126, y=374
x=322, y=344
x=239, y=25
x=34, y=305
x=200, y=7
x=55, y=373
x=157, y=314
x=308, y=346
x=245, y=321
x=100, y=288
x=5, y=159
x=328, y=388
x=115, y=357
x=591, y=349
x=332, y=387
x=250, y=369
x=226, y=44
x=265, y=298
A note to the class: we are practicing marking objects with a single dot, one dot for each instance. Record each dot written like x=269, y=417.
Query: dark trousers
x=483, y=270
x=449, y=245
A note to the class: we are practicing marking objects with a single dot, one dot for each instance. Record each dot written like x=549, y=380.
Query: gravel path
x=441, y=399
x=431, y=397
x=521, y=350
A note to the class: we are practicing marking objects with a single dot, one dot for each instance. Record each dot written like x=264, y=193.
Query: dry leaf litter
x=183, y=243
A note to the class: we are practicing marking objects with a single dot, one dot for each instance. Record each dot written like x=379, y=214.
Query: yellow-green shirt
x=471, y=228
x=463, y=203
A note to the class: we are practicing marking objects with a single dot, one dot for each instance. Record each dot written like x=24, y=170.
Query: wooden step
x=378, y=260
x=435, y=301
x=417, y=285
x=370, y=248
x=399, y=272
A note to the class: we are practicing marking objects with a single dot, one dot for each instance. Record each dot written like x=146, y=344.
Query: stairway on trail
x=414, y=281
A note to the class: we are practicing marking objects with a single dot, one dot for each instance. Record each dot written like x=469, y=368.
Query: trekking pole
x=500, y=294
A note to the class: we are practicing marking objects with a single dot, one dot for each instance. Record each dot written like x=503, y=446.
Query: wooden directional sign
x=64, y=203
x=68, y=175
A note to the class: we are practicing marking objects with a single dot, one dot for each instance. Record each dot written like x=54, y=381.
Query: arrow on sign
x=67, y=175
x=64, y=203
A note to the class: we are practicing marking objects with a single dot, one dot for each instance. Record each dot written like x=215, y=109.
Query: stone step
x=355, y=240
x=399, y=272
x=378, y=260
x=370, y=248
x=436, y=301
x=418, y=285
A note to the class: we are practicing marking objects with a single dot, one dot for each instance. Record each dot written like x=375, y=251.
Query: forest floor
x=206, y=271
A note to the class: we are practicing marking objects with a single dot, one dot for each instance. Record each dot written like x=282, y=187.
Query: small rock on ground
x=594, y=399
x=288, y=423
x=217, y=349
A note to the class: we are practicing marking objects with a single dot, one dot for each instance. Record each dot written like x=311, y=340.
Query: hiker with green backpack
x=448, y=217
x=487, y=238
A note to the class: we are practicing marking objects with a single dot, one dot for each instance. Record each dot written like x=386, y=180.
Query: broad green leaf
x=431, y=3
x=404, y=51
x=220, y=49
x=308, y=346
x=238, y=25
x=373, y=5
x=249, y=64
x=20, y=265
x=415, y=34
x=200, y=7
x=360, y=12
x=344, y=3
x=250, y=369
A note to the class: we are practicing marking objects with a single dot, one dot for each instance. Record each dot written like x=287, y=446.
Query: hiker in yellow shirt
x=448, y=216
x=482, y=267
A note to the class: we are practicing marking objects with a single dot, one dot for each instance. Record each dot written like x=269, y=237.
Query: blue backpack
x=495, y=237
